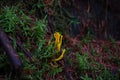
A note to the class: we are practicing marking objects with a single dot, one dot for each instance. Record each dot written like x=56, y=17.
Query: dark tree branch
x=5, y=43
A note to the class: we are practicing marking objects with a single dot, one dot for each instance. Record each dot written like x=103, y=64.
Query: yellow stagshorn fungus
x=58, y=43
x=58, y=40
x=61, y=56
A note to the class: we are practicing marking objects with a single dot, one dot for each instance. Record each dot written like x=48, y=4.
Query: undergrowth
x=17, y=24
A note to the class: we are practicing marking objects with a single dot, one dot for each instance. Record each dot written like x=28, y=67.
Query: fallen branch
x=10, y=51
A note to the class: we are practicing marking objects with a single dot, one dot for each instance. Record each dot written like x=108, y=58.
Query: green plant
x=39, y=29
x=47, y=52
x=107, y=75
x=9, y=19
x=54, y=71
x=83, y=63
x=86, y=77
x=71, y=62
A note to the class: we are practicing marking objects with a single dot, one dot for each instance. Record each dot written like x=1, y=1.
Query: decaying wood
x=5, y=43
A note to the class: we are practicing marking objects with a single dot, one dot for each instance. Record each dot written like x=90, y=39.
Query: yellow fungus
x=58, y=40
x=61, y=56
x=57, y=37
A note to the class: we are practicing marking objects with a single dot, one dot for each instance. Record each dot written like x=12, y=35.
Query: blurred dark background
x=101, y=18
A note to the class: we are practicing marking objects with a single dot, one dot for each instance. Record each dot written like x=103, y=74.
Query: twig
x=27, y=53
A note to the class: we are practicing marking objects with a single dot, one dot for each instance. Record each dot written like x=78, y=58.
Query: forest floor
x=90, y=53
